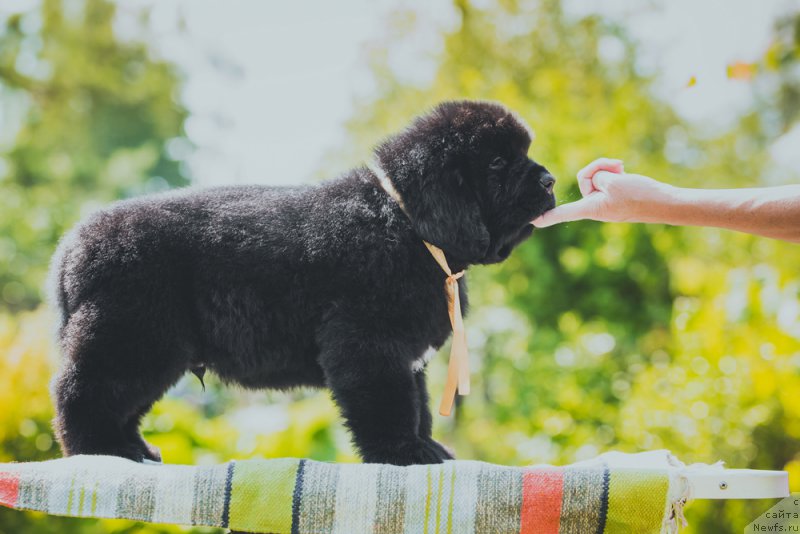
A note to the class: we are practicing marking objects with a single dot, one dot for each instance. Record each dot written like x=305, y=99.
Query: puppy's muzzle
x=547, y=182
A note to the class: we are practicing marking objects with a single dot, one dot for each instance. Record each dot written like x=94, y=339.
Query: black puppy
x=325, y=286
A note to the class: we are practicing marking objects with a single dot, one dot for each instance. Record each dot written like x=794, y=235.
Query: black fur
x=326, y=286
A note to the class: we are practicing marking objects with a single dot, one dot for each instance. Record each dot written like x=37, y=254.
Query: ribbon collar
x=458, y=366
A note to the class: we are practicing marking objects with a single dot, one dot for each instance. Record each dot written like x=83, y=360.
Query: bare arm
x=610, y=195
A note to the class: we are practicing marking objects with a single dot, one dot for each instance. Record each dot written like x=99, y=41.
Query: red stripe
x=542, y=489
x=9, y=489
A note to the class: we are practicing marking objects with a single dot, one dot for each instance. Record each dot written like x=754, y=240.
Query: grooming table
x=643, y=493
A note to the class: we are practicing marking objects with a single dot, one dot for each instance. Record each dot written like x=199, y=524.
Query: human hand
x=609, y=195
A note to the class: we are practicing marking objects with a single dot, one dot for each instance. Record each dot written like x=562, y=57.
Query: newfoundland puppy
x=328, y=285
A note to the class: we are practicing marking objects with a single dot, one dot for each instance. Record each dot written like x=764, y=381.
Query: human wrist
x=657, y=203
x=682, y=206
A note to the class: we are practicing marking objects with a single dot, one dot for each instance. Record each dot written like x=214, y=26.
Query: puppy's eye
x=497, y=163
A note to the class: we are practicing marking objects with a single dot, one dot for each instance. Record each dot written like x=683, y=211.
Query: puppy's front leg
x=425, y=419
x=378, y=396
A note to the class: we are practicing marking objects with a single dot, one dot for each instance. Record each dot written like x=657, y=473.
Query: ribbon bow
x=458, y=366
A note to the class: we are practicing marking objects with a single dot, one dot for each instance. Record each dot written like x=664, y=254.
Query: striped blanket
x=304, y=496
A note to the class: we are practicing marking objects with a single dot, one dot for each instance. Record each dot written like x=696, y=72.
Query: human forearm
x=611, y=195
x=770, y=212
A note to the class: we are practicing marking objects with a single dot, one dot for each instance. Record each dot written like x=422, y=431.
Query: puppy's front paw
x=445, y=452
x=412, y=452
x=153, y=453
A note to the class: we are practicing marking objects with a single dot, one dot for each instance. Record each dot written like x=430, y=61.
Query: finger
x=584, y=208
x=605, y=164
x=600, y=180
x=585, y=175
x=585, y=186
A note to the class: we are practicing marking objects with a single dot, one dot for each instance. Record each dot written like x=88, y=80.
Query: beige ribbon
x=458, y=366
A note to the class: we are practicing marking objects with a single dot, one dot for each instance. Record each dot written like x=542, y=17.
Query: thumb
x=574, y=211
x=601, y=179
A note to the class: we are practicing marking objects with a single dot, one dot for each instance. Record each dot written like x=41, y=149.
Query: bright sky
x=269, y=84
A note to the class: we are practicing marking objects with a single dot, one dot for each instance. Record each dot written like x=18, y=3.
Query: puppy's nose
x=547, y=182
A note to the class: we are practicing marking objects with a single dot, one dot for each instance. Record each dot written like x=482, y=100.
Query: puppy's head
x=466, y=180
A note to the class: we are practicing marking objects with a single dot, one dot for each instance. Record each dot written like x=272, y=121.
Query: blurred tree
x=781, y=61
x=90, y=119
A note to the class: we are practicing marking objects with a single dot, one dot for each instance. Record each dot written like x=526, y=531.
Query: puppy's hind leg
x=101, y=416
x=89, y=416
x=110, y=378
x=164, y=379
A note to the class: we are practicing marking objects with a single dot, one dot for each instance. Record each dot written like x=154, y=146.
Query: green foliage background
x=590, y=337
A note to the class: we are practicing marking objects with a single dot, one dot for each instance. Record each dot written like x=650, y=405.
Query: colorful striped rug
x=304, y=496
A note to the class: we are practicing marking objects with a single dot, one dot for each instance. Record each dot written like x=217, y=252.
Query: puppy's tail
x=56, y=291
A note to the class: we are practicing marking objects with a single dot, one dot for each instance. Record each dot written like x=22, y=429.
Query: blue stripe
x=226, y=510
x=297, y=497
x=601, y=524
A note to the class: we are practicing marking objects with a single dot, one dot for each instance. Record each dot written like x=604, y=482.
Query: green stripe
x=261, y=495
x=439, y=497
x=94, y=497
x=81, y=500
x=636, y=500
x=452, y=496
x=71, y=491
x=428, y=498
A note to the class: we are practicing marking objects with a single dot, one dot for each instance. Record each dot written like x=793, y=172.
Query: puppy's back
x=158, y=233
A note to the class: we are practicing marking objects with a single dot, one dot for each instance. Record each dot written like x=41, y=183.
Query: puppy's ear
x=446, y=214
